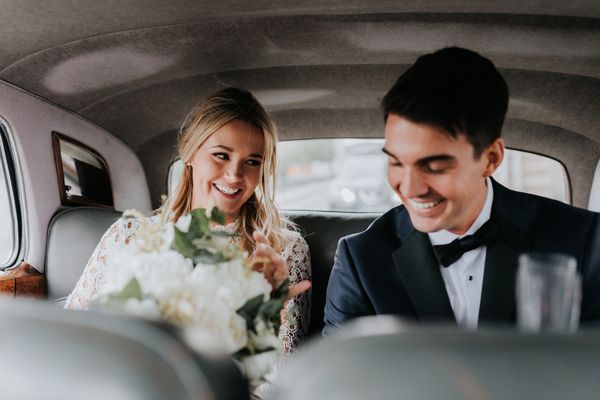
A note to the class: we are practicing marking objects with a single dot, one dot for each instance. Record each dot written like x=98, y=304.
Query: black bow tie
x=448, y=254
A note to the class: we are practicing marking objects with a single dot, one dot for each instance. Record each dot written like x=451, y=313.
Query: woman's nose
x=234, y=171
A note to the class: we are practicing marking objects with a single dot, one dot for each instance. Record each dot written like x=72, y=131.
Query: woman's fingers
x=297, y=289
x=270, y=263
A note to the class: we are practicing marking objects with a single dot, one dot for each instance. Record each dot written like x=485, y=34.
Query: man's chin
x=426, y=225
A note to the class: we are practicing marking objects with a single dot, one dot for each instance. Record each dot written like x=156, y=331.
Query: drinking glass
x=548, y=293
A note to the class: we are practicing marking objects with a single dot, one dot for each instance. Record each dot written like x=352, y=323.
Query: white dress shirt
x=464, y=278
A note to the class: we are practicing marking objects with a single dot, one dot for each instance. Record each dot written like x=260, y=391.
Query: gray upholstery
x=384, y=358
x=72, y=237
x=322, y=230
x=58, y=354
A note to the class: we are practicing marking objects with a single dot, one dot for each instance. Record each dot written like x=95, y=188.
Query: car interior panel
x=93, y=96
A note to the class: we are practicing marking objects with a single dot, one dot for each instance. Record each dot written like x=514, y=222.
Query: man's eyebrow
x=221, y=146
x=437, y=157
x=426, y=160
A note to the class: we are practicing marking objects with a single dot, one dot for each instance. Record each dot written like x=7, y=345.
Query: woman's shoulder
x=126, y=226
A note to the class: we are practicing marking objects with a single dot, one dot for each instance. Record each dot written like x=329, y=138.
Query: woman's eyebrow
x=230, y=149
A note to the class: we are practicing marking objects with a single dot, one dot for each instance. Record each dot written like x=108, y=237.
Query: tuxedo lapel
x=501, y=262
x=415, y=262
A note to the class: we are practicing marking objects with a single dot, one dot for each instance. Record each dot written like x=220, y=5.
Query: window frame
x=7, y=163
x=75, y=200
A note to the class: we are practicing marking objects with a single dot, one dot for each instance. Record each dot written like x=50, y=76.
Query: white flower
x=264, y=338
x=146, y=308
x=183, y=223
x=202, y=299
x=257, y=365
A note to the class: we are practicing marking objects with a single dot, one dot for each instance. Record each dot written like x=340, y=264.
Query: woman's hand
x=274, y=267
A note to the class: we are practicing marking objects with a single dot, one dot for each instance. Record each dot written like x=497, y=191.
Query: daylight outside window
x=350, y=175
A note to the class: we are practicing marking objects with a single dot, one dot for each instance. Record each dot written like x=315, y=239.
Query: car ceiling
x=135, y=68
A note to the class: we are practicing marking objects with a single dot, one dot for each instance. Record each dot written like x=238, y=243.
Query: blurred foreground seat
x=384, y=358
x=54, y=354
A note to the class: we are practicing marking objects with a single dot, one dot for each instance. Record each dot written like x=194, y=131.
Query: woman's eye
x=221, y=156
x=253, y=163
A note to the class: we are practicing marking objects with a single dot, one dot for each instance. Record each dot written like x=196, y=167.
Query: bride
x=228, y=146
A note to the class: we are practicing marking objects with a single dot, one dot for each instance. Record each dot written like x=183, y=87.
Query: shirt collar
x=444, y=237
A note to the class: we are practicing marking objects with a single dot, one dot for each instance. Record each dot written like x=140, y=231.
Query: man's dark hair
x=455, y=89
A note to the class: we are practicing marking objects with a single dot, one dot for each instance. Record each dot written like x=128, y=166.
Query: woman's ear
x=493, y=156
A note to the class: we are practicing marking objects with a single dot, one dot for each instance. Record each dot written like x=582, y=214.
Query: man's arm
x=346, y=298
x=590, y=302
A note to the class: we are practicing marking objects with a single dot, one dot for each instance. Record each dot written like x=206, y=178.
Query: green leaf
x=217, y=216
x=131, y=291
x=249, y=311
x=182, y=244
x=199, y=225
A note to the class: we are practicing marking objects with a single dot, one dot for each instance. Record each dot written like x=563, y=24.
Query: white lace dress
x=294, y=329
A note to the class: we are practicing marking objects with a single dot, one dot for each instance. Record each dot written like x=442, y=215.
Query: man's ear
x=493, y=156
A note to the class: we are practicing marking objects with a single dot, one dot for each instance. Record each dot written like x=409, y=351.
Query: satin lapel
x=498, y=291
x=501, y=261
x=421, y=277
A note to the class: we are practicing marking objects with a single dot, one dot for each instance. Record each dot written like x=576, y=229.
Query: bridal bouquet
x=195, y=277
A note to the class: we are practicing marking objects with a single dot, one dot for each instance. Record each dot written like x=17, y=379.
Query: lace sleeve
x=294, y=329
x=93, y=275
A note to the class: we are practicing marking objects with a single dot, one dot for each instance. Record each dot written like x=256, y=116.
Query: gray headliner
x=135, y=68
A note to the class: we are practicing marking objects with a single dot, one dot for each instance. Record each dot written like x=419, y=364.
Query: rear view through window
x=350, y=175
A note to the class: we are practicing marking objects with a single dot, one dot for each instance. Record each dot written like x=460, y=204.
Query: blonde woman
x=228, y=146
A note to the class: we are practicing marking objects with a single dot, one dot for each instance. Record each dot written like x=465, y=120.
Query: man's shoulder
x=382, y=227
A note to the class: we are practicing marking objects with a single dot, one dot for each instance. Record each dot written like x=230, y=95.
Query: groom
x=443, y=120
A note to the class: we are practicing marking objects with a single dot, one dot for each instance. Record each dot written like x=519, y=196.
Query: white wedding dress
x=294, y=329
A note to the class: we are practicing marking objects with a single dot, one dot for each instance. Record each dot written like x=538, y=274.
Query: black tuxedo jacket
x=391, y=269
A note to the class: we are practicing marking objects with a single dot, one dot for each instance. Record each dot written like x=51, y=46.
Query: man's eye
x=221, y=156
x=435, y=169
x=253, y=163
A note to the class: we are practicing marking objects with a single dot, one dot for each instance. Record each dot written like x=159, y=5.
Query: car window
x=350, y=175
x=82, y=173
x=9, y=228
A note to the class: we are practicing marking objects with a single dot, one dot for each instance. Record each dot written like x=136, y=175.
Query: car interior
x=93, y=94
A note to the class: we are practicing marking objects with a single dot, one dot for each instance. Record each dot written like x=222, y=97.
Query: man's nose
x=413, y=184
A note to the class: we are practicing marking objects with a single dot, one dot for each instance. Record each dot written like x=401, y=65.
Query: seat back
x=322, y=231
x=73, y=234
x=92, y=355
x=387, y=358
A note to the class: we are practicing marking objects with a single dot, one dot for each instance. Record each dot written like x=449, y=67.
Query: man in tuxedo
x=450, y=252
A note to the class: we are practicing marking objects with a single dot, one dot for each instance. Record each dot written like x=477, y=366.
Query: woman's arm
x=295, y=326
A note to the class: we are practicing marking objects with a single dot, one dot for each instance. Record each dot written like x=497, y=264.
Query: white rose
x=183, y=223
x=258, y=365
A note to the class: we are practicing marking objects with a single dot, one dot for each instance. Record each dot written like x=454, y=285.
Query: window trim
x=10, y=168
x=77, y=200
x=567, y=176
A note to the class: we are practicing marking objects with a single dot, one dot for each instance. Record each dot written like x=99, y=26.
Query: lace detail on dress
x=92, y=278
x=294, y=328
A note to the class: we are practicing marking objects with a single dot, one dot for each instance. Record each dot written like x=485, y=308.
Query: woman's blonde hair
x=259, y=212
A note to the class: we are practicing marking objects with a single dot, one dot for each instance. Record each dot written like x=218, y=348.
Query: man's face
x=437, y=177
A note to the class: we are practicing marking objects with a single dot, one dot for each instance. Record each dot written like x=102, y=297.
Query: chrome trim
x=16, y=197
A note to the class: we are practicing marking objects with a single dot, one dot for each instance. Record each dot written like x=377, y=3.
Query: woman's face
x=226, y=168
